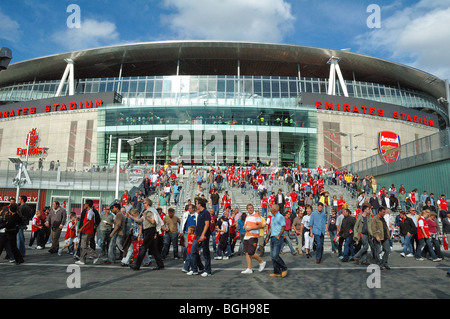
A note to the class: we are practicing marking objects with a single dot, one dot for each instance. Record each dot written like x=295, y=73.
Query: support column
x=68, y=72
x=334, y=68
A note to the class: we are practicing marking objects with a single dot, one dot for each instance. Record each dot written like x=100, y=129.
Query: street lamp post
x=133, y=141
x=154, y=150
x=351, y=135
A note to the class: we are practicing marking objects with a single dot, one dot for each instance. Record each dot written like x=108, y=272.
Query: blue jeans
x=334, y=245
x=407, y=246
x=206, y=255
x=422, y=243
x=319, y=240
x=21, y=240
x=116, y=242
x=213, y=239
x=170, y=238
x=362, y=253
x=264, y=212
x=189, y=260
x=287, y=240
x=403, y=206
x=275, y=250
x=349, y=250
x=216, y=209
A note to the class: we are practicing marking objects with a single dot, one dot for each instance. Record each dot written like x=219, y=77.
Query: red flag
x=445, y=243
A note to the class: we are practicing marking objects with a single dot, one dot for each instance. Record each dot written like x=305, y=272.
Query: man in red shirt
x=294, y=198
x=443, y=207
x=264, y=205
x=341, y=202
x=87, y=231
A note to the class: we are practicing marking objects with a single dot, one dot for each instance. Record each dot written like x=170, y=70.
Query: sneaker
x=402, y=254
x=247, y=271
x=262, y=266
x=39, y=247
x=59, y=252
x=96, y=261
x=410, y=255
x=79, y=262
x=191, y=273
x=218, y=258
x=184, y=270
x=420, y=259
x=225, y=257
x=437, y=259
x=205, y=274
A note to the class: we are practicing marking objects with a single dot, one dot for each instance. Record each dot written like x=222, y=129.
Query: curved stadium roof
x=220, y=58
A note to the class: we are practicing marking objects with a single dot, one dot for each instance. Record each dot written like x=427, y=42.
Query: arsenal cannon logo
x=389, y=146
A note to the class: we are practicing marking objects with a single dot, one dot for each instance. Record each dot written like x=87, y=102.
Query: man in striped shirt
x=252, y=226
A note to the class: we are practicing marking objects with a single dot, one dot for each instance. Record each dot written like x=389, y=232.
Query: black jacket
x=407, y=226
x=12, y=222
x=347, y=226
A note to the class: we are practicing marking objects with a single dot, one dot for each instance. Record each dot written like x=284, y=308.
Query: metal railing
x=421, y=151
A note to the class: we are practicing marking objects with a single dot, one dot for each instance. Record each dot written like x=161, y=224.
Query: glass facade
x=156, y=106
x=153, y=90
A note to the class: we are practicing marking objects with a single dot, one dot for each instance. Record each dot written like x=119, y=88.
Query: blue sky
x=414, y=33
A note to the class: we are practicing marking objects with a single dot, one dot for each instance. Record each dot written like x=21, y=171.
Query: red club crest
x=389, y=146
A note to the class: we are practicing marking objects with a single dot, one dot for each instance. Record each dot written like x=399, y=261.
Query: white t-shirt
x=305, y=221
x=224, y=227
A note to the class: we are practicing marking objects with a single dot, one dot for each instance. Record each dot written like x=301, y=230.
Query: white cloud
x=9, y=28
x=418, y=35
x=237, y=20
x=91, y=34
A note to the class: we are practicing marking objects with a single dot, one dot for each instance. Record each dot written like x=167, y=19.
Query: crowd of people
x=137, y=230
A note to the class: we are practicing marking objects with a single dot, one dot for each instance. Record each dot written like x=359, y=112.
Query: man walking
x=381, y=236
x=347, y=226
x=56, y=220
x=361, y=233
x=277, y=226
x=88, y=233
x=252, y=226
x=151, y=224
x=203, y=232
x=318, y=228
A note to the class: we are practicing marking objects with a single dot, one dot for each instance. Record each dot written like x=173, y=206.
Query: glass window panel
x=248, y=86
x=284, y=86
x=293, y=87
x=133, y=86
x=257, y=88
x=109, y=86
x=158, y=88
x=141, y=86
x=266, y=88
x=212, y=84
x=95, y=87
x=124, y=87
x=167, y=86
x=308, y=86
x=364, y=90
x=230, y=86
x=221, y=86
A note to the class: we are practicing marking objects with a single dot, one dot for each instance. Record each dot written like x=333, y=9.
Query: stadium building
x=222, y=102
